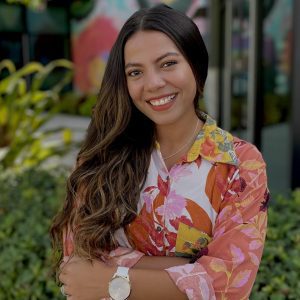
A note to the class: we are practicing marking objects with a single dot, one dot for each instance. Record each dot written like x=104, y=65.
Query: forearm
x=149, y=284
x=159, y=262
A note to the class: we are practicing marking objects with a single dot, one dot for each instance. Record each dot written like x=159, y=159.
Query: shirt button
x=158, y=229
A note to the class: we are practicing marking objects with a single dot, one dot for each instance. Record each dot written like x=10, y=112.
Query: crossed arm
x=227, y=271
x=85, y=280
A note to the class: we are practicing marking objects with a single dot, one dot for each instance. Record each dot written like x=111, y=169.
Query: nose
x=154, y=81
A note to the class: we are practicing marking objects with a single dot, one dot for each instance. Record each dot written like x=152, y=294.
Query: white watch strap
x=122, y=271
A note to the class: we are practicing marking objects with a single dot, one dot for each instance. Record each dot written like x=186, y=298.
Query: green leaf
x=25, y=107
x=7, y=64
x=40, y=77
x=3, y=115
x=67, y=136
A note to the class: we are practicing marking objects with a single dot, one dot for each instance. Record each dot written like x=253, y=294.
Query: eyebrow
x=156, y=61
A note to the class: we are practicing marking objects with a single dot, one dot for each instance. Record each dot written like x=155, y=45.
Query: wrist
x=119, y=286
x=103, y=274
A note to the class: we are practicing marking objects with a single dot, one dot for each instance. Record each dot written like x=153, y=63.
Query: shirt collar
x=213, y=144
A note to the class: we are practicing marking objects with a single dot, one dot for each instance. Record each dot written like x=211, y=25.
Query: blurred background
x=52, y=58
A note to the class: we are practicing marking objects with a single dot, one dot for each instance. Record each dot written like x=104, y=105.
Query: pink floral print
x=220, y=189
x=210, y=206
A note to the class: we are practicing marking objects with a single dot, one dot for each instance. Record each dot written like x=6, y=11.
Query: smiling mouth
x=162, y=101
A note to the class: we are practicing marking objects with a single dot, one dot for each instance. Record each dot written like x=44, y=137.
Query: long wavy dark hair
x=104, y=188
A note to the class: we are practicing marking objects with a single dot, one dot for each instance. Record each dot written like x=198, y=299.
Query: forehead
x=148, y=44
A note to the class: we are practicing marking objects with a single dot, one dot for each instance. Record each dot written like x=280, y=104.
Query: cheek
x=188, y=85
x=191, y=85
x=133, y=91
x=194, y=88
x=136, y=93
x=184, y=78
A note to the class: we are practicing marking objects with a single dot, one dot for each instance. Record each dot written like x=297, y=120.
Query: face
x=160, y=81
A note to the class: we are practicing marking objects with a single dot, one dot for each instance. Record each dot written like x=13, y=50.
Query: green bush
x=76, y=104
x=30, y=199
x=28, y=202
x=28, y=100
x=279, y=273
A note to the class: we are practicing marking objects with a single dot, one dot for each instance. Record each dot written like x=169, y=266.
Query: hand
x=84, y=279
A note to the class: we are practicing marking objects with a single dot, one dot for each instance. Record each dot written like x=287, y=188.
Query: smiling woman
x=160, y=79
x=162, y=204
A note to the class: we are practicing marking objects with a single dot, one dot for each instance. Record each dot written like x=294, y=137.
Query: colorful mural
x=94, y=34
x=92, y=39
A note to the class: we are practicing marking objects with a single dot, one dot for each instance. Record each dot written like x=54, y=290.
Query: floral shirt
x=211, y=207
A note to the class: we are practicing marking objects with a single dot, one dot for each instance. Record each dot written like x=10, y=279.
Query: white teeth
x=162, y=101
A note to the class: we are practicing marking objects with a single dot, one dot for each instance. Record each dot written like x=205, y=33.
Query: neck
x=172, y=136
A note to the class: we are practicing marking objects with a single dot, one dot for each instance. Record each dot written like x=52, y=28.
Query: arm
x=128, y=257
x=83, y=280
x=228, y=268
x=153, y=284
x=229, y=264
x=159, y=262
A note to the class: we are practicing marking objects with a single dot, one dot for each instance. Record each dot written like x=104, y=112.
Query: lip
x=160, y=97
x=164, y=106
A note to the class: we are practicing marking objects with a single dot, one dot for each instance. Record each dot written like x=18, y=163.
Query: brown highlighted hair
x=104, y=188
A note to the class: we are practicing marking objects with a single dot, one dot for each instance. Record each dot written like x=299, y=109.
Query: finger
x=65, y=291
x=63, y=278
x=63, y=263
x=74, y=258
x=112, y=262
x=76, y=261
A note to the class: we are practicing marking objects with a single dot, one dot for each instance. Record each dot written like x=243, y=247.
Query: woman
x=162, y=204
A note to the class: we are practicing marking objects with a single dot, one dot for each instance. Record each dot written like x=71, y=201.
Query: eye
x=169, y=63
x=134, y=73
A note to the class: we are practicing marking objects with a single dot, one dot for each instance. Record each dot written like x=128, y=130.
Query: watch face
x=119, y=288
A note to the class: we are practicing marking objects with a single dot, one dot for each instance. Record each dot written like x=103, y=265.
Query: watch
x=119, y=287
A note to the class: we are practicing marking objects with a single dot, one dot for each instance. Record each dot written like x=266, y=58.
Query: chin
x=163, y=121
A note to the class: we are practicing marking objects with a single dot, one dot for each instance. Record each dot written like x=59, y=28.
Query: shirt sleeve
x=121, y=256
x=227, y=268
